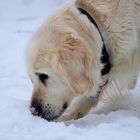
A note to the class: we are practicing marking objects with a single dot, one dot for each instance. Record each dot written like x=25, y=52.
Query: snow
x=19, y=19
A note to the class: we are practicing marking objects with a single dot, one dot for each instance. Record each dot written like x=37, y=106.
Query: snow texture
x=19, y=19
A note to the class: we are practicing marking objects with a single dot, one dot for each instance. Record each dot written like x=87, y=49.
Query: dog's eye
x=42, y=77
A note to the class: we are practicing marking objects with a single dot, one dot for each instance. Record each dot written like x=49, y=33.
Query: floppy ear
x=76, y=61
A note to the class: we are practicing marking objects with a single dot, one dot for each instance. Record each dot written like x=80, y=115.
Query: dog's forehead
x=46, y=59
x=43, y=54
x=42, y=59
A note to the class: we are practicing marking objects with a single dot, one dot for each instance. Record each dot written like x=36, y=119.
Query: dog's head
x=61, y=67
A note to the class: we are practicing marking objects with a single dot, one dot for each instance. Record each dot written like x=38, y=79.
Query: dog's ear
x=76, y=61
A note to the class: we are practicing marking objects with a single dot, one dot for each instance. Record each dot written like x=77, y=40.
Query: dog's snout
x=51, y=113
x=47, y=112
x=36, y=108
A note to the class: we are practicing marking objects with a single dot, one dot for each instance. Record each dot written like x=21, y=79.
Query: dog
x=84, y=50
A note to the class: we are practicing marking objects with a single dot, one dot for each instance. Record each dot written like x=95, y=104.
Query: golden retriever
x=85, y=49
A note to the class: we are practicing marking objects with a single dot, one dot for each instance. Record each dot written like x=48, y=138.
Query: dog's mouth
x=48, y=112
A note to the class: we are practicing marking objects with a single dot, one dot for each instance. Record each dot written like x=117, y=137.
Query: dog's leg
x=78, y=108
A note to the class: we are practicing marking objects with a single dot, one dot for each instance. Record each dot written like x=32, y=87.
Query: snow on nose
x=34, y=111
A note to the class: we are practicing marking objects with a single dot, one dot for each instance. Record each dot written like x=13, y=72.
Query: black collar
x=105, y=60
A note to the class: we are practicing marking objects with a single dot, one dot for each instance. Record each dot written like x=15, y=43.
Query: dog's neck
x=105, y=59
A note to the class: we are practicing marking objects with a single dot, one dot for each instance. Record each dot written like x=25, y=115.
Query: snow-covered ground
x=19, y=19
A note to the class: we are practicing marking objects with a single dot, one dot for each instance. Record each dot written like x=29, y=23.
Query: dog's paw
x=70, y=116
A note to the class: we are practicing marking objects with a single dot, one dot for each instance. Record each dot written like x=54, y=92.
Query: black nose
x=36, y=108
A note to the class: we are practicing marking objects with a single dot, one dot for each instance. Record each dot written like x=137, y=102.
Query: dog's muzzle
x=48, y=112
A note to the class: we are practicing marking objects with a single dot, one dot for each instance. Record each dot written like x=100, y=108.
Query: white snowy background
x=19, y=19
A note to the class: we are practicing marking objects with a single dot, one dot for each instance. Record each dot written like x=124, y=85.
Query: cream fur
x=68, y=47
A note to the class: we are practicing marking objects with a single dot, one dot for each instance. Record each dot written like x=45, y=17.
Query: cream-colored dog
x=82, y=51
